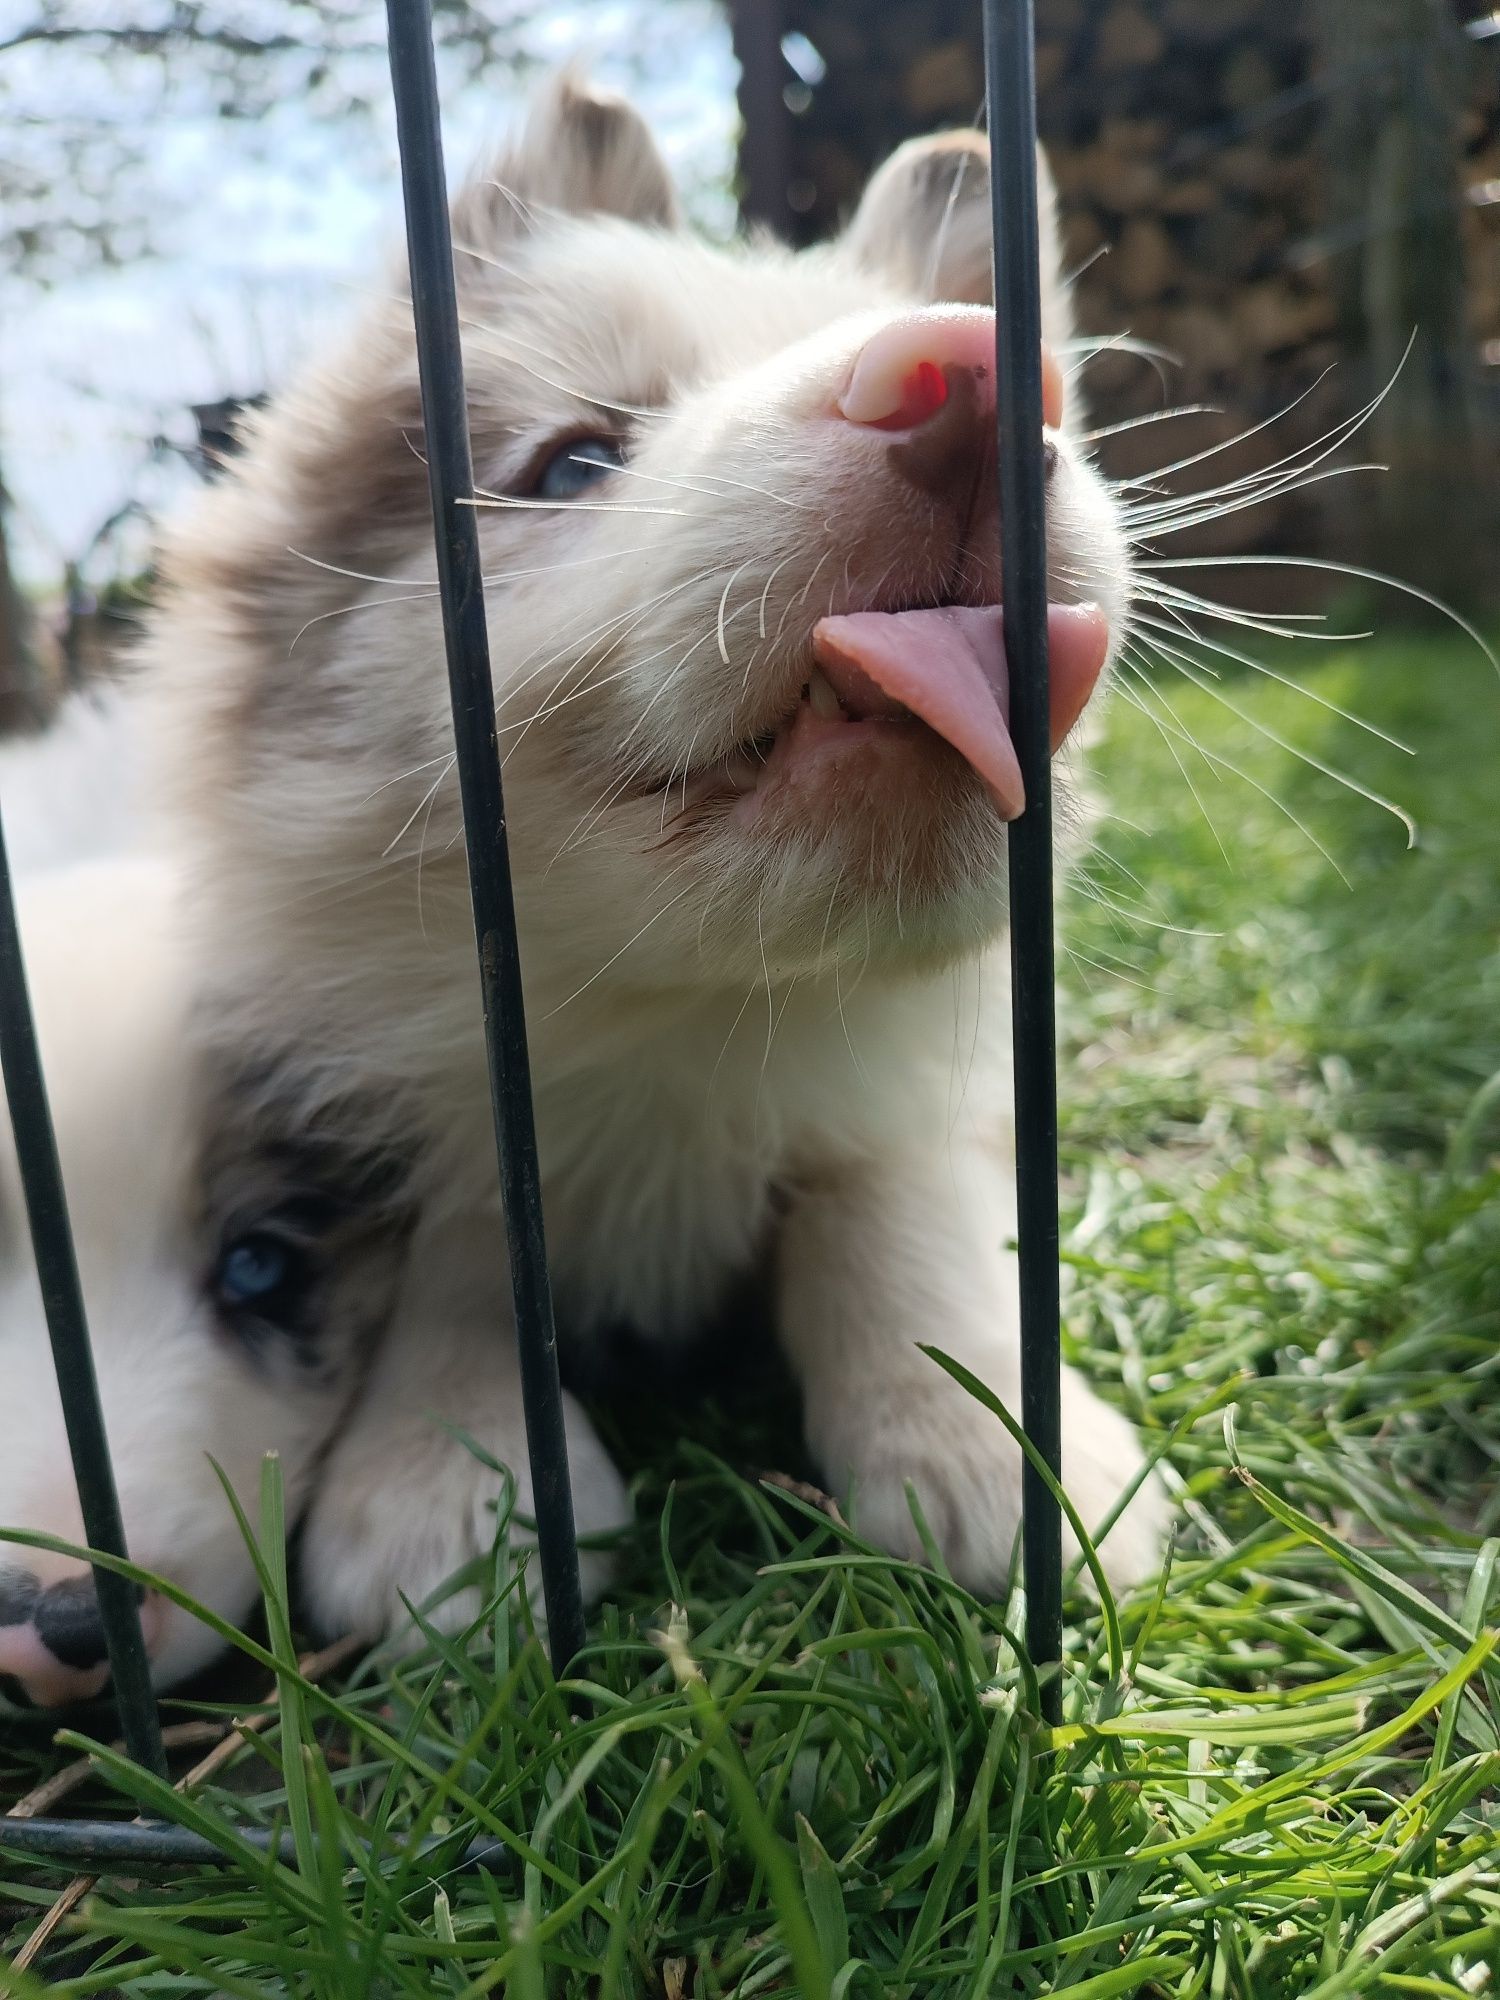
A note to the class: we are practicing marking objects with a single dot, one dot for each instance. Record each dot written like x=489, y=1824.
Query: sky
x=263, y=232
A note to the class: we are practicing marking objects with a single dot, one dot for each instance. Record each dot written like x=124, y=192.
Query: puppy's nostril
x=904, y=375
x=69, y=1625
x=920, y=394
x=19, y=1591
x=898, y=378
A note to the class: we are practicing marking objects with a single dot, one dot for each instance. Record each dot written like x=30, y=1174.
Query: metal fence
x=1009, y=64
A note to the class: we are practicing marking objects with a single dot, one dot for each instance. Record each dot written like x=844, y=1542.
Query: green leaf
x=825, y=1895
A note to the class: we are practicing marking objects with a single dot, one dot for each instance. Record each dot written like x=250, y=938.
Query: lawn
x=788, y=1766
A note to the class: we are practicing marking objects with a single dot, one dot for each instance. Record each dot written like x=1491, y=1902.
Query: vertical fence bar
x=461, y=587
x=1010, y=84
x=67, y=1327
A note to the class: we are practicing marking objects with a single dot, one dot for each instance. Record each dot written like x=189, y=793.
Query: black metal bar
x=67, y=1327
x=139, y=1848
x=461, y=587
x=1010, y=80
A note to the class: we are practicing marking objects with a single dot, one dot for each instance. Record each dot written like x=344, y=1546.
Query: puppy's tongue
x=948, y=667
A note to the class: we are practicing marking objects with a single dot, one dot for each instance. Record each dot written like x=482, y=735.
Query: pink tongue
x=948, y=667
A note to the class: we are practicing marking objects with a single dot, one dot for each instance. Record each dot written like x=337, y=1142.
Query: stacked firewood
x=1188, y=141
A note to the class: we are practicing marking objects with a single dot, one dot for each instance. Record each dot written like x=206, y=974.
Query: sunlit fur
x=766, y=1032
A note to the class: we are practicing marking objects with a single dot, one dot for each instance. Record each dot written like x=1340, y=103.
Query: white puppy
x=742, y=586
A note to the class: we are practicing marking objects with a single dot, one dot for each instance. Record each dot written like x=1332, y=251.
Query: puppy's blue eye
x=577, y=465
x=257, y=1270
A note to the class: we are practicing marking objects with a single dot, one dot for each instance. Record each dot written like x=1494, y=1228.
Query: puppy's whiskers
x=1180, y=627
x=520, y=503
x=615, y=957
x=1217, y=761
x=508, y=353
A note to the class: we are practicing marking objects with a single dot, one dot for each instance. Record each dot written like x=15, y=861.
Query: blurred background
x=1289, y=209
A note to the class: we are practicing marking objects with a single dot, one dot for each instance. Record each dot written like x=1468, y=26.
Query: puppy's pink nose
x=906, y=372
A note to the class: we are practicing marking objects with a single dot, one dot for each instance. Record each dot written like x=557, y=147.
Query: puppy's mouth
x=939, y=671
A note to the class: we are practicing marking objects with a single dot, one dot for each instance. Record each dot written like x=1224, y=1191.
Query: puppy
x=235, y=1284
x=738, y=512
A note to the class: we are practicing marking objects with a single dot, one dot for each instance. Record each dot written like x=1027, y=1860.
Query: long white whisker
x=400, y=778
x=549, y=381
x=596, y=812
x=681, y=483
x=360, y=604
x=1256, y=430
x=723, y=601
x=750, y=991
x=617, y=956
x=359, y=575
x=1138, y=700
x=761, y=619
x=722, y=479
x=1114, y=972
x=1193, y=510
x=945, y=223
x=838, y=993
x=618, y=627
x=517, y=503
x=574, y=643
x=1283, y=680
x=1188, y=668
x=1293, y=472
x=1151, y=417
x=1152, y=589
x=1238, y=771
x=426, y=799
x=760, y=935
x=838, y=883
x=1411, y=590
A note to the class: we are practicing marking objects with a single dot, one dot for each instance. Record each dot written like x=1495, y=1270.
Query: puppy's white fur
x=158, y=1174
x=405, y=1499
x=772, y=1035
x=109, y=989
x=73, y=793
x=162, y=1170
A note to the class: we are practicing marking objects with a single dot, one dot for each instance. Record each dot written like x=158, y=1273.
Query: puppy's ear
x=925, y=222
x=585, y=151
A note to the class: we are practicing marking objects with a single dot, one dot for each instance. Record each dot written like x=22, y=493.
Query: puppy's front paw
x=966, y=1473
x=403, y=1505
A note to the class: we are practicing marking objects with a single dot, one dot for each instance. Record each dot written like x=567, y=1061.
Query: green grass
x=818, y=1775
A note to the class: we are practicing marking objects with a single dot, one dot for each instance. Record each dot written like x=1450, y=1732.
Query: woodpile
x=1187, y=141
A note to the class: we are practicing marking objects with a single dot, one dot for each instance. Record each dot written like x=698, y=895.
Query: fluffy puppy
x=739, y=523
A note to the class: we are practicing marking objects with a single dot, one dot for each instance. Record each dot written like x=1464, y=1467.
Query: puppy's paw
x=966, y=1474
x=1102, y=1459
x=403, y=1505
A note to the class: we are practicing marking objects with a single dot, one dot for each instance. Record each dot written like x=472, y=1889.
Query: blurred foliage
x=77, y=137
